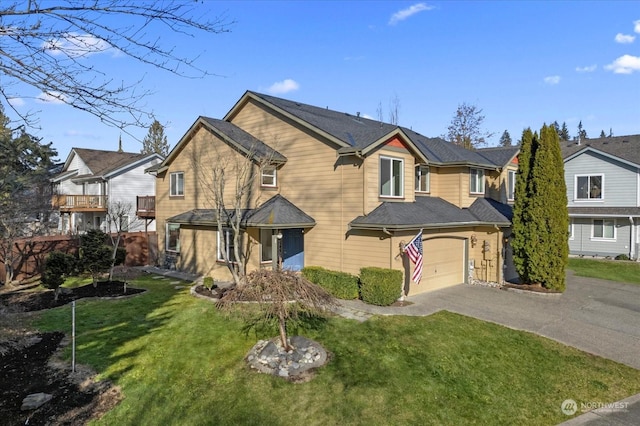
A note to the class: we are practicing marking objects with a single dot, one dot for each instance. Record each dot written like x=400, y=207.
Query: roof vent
x=625, y=141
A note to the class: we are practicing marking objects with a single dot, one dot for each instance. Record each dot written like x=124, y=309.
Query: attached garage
x=444, y=264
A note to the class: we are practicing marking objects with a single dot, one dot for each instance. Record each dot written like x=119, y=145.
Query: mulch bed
x=535, y=288
x=29, y=362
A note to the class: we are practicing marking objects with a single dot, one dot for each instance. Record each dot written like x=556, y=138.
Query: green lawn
x=178, y=361
x=614, y=270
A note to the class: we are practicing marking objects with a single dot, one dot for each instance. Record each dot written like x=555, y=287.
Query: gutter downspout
x=632, y=240
x=384, y=230
x=499, y=262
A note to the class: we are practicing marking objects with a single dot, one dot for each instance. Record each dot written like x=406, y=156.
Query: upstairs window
x=176, y=184
x=476, y=181
x=268, y=176
x=511, y=185
x=589, y=187
x=391, y=177
x=422, y=178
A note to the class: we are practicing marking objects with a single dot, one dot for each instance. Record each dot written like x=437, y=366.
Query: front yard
x=178, y=361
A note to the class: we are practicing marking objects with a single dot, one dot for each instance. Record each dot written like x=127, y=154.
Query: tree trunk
x=283, y=333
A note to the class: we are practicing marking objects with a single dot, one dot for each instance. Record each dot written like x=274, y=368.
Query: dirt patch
x=536, y=288
x=30, y=363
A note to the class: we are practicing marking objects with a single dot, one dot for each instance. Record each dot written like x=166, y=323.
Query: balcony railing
x=80, y=202
x=146, y=206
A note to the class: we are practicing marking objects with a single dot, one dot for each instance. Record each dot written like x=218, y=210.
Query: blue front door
x=292, y=249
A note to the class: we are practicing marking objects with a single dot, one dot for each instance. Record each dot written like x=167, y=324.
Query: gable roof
x=352, y=133
x=103, y=163
x=626, y=148
x=502, y=155
x=231, y=134
x=430, y=212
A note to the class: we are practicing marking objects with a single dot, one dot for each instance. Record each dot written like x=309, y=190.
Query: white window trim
x=262, y=260
x=274, y=175
x=481, y=181
x=173, y=176
x=391, y=160
x=511, y=185
x=419, y=168
x=588, y=200
x=593, y=227
x=166, y=239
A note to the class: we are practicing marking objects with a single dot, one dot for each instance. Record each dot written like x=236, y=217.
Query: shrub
x=622, y=257
x=121, y=256
x=379, y=286
x=56, y=266
x=207, y=282
x=339, y=284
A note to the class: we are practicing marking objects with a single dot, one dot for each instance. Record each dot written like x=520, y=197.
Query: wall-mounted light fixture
x=474, y=240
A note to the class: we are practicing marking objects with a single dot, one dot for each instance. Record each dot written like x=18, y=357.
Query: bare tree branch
x=48, y=48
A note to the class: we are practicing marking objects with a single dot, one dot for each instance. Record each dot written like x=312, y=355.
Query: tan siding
x=447, y=184
x=369, y=248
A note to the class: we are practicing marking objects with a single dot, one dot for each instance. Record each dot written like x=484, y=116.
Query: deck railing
x=80, y=202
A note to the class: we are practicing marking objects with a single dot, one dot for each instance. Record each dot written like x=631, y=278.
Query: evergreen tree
x=556, y=126
x=564, y=132
x=610, y=132
x=582, y=134
x=505, y=139
x=602, y=134
x=541, y=220
x=521, y=241
x=155, y=141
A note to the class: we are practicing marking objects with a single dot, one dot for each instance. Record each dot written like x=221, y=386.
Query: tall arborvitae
x=522, y=241
x=541, y=220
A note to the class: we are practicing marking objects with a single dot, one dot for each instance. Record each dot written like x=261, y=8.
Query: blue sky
x=523, y=63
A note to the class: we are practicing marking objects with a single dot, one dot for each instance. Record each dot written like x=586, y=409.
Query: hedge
x=339, y=284
x=379, y=286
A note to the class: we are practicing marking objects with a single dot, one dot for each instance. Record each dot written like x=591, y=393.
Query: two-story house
x=93, y=181
x=603, y=193
x=338, y=191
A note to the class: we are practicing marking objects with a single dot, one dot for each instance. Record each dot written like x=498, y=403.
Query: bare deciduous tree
x=465, y=129
x=282, y=295
x=119, y=220
x=47, y=45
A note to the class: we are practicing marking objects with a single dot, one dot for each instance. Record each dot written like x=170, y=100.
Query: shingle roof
x=102, y=162
x=277, y=212
x=244, y=140
x=624, y=147
x=499, y=155
x=359, y=132
x=604, y=211
x=430, y=212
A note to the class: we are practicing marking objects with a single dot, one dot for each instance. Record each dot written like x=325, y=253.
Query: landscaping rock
x=35, y=400
x=269, y=357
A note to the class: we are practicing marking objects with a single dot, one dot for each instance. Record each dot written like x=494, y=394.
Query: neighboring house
x=93, y=181
x=338, y=191
x=603, y=193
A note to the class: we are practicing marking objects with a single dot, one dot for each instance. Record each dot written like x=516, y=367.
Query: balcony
x=80, y=203
x=146, y=207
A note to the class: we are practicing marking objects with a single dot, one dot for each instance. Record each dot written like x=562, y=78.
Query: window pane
x=397, y=178
x=173, y=237
x=473, y=180
x=481, y=181
x=595, y=187
x=422, y=178
x=583, y=187
x=385, y=176
x=266, y=243
x=608, y=229
x=269, y=176
x=597, y=229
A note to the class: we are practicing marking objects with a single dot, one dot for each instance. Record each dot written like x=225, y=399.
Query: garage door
x=443, y=265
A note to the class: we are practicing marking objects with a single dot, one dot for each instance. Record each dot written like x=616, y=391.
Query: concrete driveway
x=597, y=316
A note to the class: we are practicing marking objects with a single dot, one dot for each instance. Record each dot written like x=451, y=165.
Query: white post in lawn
x=73, y=336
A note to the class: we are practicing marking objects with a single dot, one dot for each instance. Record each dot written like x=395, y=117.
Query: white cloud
x=16, y=102
x=51, y=98
x=588, y=68
x=624, y=38
x=284, y=86
x=552, y=79
x=625, y=64
x=403, y=14
x=636, y=26
x=76, y=45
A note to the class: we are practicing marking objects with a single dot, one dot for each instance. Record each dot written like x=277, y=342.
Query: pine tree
x=155, y=141
x=522, y=240
x=610, y=132
x=541, y=218
x=582, y=134
x=564, y=132
x=602, y=134
x=556, y=126
x=505, y=139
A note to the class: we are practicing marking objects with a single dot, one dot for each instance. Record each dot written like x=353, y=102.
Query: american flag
x=414, y=251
